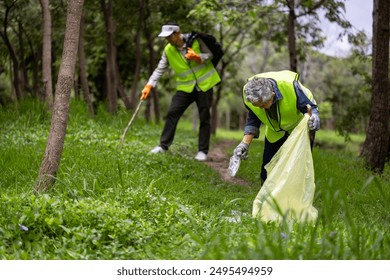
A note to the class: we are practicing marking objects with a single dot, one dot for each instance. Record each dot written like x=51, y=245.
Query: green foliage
x=112, y=203
x=341, y=87
x=252, y=32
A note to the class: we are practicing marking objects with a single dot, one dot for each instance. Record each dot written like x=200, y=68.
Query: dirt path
x=219, y=160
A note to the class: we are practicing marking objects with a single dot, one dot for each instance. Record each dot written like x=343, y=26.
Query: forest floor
x=219, y=161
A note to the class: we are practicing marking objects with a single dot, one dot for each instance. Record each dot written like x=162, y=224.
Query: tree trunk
x=111, y=64
x=35, y=67
x=292, y=48
x=35, y=76
x=47, y=86
x=23, y=68
x=11, y=50
x=121, y=90
x=217, y=96
x=214, y=110
x=227, y=119
x=11, y=79
x=376, y=145
x=52, y=156
x=138, y=55
x=83, y=71
x=76, y=85
x=152, y=66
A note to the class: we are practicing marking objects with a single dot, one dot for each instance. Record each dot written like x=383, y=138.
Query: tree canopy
x=120, y=48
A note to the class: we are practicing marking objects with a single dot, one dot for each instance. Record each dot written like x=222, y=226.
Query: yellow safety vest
x=288, y=115
x=189, y=73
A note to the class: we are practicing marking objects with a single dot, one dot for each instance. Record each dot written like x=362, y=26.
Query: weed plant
x=113, y=203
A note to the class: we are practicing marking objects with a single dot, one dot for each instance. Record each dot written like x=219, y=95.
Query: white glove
x=314, y=122
x=241, y=151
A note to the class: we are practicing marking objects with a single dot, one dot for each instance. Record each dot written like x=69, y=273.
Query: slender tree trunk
x=376, y=145
x=138, y=55
x=11, y=78
x=52, y=156
x=152, y=66
x=23, y=69
x=35, y=67
x=47, y=86
x=214, y=112
x=76, y=85
x=111, y=64
x=12, y=53
x=227, y=119
x=15, y=68
x=292, y=48
x=217, y=96
x=35, y=78
x=215, y=101
x=121, y=90
x=242, y=120
x=83, y=71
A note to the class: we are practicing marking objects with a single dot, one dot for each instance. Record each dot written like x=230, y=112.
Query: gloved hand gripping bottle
x=240, y=152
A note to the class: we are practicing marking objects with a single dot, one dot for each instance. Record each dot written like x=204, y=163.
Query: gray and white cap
x=168, y=29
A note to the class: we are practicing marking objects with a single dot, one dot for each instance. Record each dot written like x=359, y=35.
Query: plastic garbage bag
x=289, y=189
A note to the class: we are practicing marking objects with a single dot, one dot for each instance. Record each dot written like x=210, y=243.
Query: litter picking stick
x=130, y=122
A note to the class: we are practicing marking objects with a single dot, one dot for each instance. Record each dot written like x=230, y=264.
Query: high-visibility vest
x=288, y=115
x=189, y=73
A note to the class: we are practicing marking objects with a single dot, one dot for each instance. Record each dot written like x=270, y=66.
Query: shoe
x=201, y=156
x=157, y=150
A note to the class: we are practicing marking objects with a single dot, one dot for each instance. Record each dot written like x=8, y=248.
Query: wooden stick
x=130, y=122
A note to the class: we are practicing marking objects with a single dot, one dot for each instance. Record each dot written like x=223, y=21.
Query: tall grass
x=112, y=203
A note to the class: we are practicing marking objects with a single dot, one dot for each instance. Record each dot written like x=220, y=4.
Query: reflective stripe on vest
x=287, y=112
x=189, y=73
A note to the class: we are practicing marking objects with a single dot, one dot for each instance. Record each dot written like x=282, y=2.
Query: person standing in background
x=195, y=79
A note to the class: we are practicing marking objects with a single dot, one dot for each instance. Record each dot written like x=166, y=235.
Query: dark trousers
x=270, y=149
x=180, y=102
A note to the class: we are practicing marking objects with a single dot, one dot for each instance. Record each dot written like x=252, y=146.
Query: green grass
x=112, y=203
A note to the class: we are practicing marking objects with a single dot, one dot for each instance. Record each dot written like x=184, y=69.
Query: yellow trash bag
x=289, y=189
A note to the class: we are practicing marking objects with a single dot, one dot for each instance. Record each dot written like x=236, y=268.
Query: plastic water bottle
x=234, y=164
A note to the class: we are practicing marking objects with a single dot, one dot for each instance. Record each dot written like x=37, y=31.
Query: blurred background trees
x=119, y=49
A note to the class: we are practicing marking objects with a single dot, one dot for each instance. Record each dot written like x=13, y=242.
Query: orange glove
x=191, y=55
x=146, y=91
